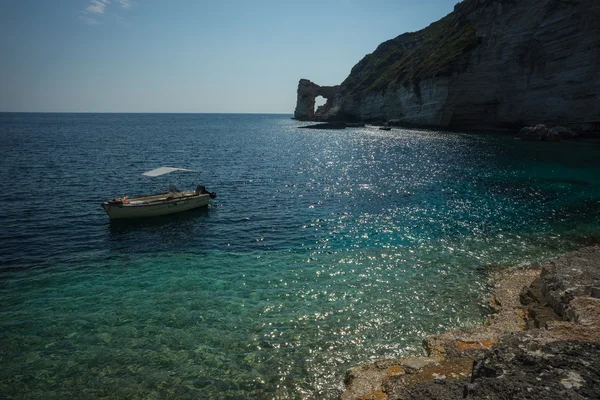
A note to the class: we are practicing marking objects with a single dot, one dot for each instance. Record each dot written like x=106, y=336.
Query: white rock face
x=538, y=61
x=422, y=105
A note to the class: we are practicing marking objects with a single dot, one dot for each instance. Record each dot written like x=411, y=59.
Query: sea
x=324, y=249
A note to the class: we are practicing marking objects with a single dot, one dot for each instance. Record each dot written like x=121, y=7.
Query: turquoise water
x=323, y=249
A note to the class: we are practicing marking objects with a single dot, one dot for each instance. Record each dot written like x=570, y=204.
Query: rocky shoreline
x=542, y=342
x=538, y=132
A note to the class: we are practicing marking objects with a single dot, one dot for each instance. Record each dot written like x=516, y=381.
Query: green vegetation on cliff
x=434, y=51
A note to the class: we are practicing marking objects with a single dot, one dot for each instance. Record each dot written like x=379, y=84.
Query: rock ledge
x=543, y=342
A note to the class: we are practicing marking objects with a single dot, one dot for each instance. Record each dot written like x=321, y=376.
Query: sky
x=198, y=56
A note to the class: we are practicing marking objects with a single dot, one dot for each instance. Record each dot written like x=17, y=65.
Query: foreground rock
x=519, y=368
x=488, y=64
x=542, y=343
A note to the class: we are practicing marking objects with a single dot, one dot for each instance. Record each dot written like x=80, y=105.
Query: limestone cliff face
x=489, y=63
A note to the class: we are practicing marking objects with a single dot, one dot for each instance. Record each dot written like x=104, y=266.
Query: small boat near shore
x=164, y=203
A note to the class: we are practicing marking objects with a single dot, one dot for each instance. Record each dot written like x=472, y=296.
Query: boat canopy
x=165, y=170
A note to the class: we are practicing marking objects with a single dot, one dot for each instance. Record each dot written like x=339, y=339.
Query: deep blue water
x=323, y=249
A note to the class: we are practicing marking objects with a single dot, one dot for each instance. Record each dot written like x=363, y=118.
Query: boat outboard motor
x=202, y=190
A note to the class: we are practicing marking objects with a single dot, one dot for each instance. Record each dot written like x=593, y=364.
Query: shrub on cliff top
x=433, y=51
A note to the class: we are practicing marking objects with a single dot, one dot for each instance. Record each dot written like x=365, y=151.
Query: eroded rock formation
x=488, y=64
x=305, y=104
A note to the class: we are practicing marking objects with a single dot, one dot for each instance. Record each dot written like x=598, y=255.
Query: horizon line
x=137, y=112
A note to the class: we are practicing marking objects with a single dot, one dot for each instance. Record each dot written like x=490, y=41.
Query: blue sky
x=188, y=56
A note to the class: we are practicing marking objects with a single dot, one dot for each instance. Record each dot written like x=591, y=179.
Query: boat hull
x=144, y=207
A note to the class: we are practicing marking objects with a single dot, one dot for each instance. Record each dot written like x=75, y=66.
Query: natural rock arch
x=305, y=104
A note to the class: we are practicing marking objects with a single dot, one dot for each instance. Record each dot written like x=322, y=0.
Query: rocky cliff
x=488, y=64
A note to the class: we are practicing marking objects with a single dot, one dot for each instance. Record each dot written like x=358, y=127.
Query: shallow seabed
x=323, y=249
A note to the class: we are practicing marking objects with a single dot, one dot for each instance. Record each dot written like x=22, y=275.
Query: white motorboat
x=170, y=202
